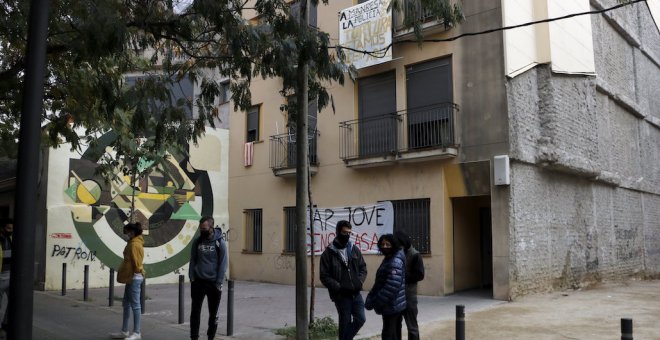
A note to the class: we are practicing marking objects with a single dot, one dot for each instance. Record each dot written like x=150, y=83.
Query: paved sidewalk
x=261, y=308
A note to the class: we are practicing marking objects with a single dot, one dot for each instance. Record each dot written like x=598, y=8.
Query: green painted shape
x=93, y=242
x=103, y=209
x=186, y=212
x=71, y=192
x=151, y=204
x=144, y=164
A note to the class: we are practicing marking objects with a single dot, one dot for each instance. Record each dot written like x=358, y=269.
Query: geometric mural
x=164, y=200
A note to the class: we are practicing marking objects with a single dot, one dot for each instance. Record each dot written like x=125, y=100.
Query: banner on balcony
x=366, y=27
x=369, y=223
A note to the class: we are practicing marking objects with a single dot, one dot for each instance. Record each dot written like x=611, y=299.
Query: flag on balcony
x=248, y=153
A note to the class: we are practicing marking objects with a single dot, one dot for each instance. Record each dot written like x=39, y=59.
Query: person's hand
x=218, y=286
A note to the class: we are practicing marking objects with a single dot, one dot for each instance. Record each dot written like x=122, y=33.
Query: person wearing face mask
x=5, y=265
x=343, y=272
x=131, y=272
x=208, y=264
x=388, y=295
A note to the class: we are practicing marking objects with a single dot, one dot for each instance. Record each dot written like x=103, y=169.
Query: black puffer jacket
x=388, y=295
x=339, y=277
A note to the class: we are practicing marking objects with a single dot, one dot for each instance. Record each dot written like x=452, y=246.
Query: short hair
x=403, y=238
x=391, y=239
x=341, y=224
x=136, y=228
x=207, y=219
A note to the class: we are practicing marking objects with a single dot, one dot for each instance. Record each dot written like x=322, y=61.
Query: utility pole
x=21, y=297
x=302, y=184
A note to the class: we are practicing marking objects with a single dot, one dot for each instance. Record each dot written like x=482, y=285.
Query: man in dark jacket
x=343, y=272
x=414, y=274
x=208, y=264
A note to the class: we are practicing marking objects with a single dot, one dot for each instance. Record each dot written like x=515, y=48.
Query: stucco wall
x=585, y=191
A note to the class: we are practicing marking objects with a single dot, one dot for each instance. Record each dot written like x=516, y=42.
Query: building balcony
x=412, y=11
x=283, y=157
x=419, y=134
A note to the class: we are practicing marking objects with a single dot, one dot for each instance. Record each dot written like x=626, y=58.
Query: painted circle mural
x=168, y=202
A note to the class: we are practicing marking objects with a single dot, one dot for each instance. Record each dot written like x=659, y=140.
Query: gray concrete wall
x=585, y=193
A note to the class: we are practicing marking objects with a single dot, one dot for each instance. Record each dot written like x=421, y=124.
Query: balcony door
x=429, y=98
x=377, y=113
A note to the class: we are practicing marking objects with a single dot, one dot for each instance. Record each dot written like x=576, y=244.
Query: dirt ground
x=593, y=313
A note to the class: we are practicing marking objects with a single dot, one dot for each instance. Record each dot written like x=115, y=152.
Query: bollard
x=181, y=293
x=86, y=284
x=63, y=279
x=230, y=307
x=143, y=295
x=460, y=322
x=111, y=284
x=626, y=329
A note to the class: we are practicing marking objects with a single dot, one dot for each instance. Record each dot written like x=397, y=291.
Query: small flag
x=248, y=153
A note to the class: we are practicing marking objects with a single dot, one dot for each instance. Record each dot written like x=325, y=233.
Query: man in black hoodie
x=343, y=272
x=208, y=264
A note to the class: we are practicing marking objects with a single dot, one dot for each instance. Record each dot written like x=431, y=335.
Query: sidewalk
x=261, y=308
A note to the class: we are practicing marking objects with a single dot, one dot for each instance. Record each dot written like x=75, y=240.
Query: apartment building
x=519, y=161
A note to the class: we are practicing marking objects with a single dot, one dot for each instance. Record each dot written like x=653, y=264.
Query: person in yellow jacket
x=131, y=272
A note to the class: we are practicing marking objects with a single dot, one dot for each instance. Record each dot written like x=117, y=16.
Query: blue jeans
x=132, y=301
x=351, y=315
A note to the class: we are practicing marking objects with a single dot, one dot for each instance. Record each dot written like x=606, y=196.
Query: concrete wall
x=585, y=186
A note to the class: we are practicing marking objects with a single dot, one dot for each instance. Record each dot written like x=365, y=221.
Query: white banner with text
x=369, y=223
x=366, y=27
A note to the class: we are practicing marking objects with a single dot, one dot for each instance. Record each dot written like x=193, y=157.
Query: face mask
x=386, y=251
x=343, y=239
x=205, y=233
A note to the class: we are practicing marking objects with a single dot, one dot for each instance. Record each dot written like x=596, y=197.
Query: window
x=290, y=231
x=253, y=124
x=377, y=113
x=253, y=230
x=225, y=94
x=413, y=217
x=312, y=113
x=429, y=97
x=295, y=12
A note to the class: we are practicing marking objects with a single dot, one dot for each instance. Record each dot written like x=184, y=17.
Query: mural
x=85, y=222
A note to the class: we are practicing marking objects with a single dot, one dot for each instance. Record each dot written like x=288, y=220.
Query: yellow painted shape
x=152, y=196
x=169, y=249
x=454, y=180
x=84, y=195
x=82, y=213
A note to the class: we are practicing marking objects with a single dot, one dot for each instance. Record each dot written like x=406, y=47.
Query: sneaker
x=119, y=335
x=134, y=336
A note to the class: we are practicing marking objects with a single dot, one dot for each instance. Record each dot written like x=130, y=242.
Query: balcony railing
x=412, y=9
x=400, y=135
x=283, y=156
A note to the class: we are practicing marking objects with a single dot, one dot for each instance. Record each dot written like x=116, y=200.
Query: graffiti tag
x=73, y=253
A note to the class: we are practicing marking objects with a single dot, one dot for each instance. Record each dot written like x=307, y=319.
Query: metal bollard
x=460, y=322
x=86, y=284
x=63, y=279
x=230, y=307
x=143, y=295
x=181, y=294
x=111, y=284
x=626, y=329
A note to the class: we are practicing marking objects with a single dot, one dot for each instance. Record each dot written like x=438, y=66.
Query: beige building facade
x=423, y=130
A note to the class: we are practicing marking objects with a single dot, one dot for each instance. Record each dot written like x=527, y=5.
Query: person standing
x=208, y=264
x=388, y=295
x=414, y=274
x=5, y=254
x=343, y=271
x=131, y=272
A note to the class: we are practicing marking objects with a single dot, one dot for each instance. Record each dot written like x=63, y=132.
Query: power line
x=380, y=53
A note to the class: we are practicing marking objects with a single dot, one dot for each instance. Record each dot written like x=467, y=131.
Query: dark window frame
x=252, y=133
x=289, y=230
x=413, y=216
x=225, y=92
x=253, y=230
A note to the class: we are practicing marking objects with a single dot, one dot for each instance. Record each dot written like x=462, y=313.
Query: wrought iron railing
x=283, y=150
x=428, y=127
x=412, y=9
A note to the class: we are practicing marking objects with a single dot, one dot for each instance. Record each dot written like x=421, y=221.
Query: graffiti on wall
x=86, y=219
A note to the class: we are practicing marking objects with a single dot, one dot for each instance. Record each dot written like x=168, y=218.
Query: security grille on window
x=225, y=94
x=253, y=124
x=290, y=231
x=253, y=230
x=414, y=218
